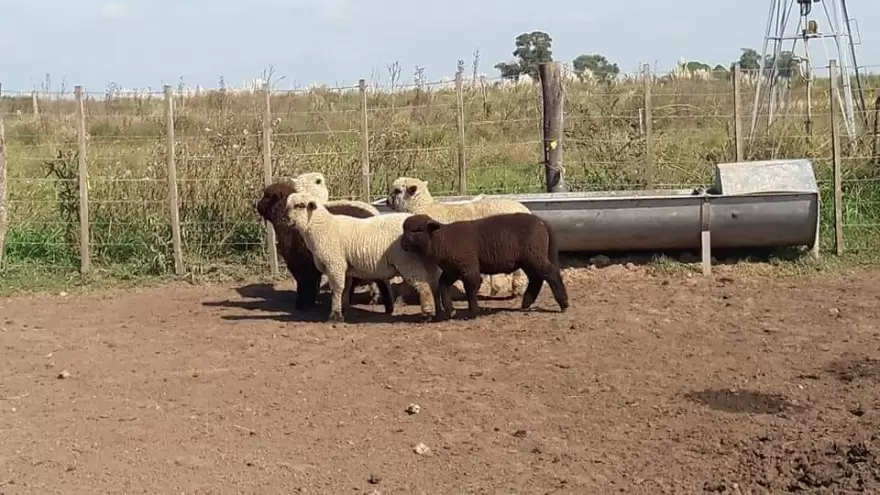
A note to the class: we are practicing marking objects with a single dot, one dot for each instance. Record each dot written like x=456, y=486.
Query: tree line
x=536, y=47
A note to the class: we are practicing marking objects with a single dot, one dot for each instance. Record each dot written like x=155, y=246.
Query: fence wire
x=411, y=131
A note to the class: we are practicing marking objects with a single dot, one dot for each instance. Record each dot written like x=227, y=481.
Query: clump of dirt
x=851, y=466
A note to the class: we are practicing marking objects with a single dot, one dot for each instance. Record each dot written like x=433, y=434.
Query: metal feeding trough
x=756, y=204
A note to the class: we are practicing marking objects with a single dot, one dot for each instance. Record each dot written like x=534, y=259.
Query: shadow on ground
x=279, y=305
x=744, y=401
x=851, y=368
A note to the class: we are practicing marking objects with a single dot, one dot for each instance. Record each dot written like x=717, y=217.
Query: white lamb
x=315, y=183
x=345, y=247
x=411, y=195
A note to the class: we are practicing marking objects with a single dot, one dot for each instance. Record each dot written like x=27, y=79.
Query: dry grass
x=411, y=132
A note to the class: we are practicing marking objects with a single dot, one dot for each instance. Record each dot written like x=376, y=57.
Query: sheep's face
x=271, y=206
x=300, y=208
x=418, y=232
x=313, y=183
x=404, y=191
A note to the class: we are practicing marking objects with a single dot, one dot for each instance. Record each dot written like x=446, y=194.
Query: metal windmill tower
x=819, y=22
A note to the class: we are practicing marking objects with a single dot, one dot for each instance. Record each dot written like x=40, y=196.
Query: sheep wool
x=411, y=195
x=360, y=247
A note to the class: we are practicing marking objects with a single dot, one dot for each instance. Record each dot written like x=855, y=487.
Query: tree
x=749, y=60
x=597, y=64
x=694, y=66
x=532, y=49
x=508, y=70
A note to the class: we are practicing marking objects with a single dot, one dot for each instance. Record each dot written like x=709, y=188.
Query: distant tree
x=597, y=64
x=749, y=60
x=508, y=70
x=721, y=72
x=532, y=49
x=694, y=66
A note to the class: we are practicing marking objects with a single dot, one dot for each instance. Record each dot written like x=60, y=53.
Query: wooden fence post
x=462, y=154
x=737, y=111
x=84, y=237
x=553, y=97
x=366, y=186
x=649, y=127
x=835, y=159
x=4, y=195
x=35, y=105
x=171, y=165
x=272, y=248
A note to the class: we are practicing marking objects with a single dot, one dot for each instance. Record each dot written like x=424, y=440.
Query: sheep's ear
x=432, y=227
x=411, y=190
x=312, y=206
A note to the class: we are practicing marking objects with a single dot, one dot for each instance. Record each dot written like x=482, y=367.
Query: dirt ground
x=650, y=383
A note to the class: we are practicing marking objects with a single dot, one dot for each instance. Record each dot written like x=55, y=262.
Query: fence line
x=204, y=151
x=4, y=194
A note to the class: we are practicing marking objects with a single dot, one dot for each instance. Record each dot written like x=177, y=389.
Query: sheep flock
x=421, y=243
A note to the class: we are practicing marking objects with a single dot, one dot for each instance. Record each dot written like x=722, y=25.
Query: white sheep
x=315, y=183
x=345, y=247
x=411, y=195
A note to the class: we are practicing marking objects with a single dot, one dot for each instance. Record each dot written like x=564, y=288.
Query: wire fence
x=363, y=137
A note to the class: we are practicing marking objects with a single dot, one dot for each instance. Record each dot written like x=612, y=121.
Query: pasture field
x=653, y=382
x=412, y=131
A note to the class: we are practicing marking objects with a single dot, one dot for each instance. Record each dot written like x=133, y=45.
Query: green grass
x=219, y=156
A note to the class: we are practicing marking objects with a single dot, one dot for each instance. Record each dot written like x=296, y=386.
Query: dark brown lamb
x=497, y=244
x=297, y=256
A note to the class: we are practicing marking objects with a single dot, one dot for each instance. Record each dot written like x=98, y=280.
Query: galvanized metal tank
x=773, y=203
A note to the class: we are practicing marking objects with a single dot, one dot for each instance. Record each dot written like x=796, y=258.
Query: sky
x=148, y=43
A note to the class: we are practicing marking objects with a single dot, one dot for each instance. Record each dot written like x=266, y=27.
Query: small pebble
x=413, y=409
x=834, y=312
x=63, y=375
x=421, y=449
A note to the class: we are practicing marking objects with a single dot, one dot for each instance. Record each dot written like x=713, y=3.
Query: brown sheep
x=497, y=244
x=297, y=256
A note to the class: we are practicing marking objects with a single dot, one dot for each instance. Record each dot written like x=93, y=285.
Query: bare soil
x=650, y=383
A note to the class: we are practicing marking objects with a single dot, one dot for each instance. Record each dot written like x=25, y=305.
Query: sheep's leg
x=444, y=285
x=536, y=281
x=350, y=285
x=336, y=280
x=518, y=283
x=346, y=294
x=492, y=281
x=424, y=283
x=375, y=292
x=554, y=279
x=472, y=282
x=307, y=283
x=387, y=295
